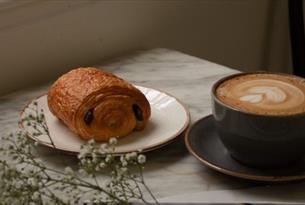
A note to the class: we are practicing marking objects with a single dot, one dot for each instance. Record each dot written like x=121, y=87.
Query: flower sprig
x=101, y=176
x=35, y=123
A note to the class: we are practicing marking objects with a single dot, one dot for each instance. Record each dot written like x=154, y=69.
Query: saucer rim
x=227, y=171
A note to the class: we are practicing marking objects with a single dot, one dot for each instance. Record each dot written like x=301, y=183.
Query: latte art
x=256, y=98
x=264, y=93
x=259, y=94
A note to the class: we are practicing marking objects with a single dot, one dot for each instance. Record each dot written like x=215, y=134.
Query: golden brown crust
x=109, y=97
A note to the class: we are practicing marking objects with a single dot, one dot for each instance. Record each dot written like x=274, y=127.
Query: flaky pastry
x=97, y=104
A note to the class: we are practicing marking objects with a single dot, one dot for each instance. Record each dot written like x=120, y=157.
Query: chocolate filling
x=137, y=112
x=88, y=117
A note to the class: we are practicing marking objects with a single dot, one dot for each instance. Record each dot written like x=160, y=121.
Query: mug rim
x=223, y=79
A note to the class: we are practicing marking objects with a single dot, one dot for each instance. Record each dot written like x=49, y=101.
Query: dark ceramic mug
x=259, y=140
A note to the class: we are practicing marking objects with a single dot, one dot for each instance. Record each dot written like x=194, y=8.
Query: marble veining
x=171, y=172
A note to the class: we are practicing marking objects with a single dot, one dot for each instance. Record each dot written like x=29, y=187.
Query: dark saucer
x=203, y=142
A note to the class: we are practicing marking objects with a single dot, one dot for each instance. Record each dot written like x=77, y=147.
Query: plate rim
x=147, y=149
x=226, y=171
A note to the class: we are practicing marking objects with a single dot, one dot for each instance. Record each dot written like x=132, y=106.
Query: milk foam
x=268, y=93
x=264, y=93
x=258, y=94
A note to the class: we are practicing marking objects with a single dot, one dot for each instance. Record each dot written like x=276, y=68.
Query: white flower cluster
x=132, y=158
x=26, y=180
x=96, y=157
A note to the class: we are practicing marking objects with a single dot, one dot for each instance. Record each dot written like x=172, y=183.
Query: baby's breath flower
x=88, y=161
x=103, y=148
x=141, y=159
x=32, y=182
x=18, y=184
x=130, y=156
x=35, y=195
x=79, y=156
x=69, y=171
x=82, y=153
x=91, y=141
x=102, y=165
x=94, y=157
x=86, y=202
x=123, y=161
x=113, y=141
x=108, y=158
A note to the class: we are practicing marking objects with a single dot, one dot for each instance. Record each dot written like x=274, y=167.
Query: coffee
x=260, y=117
x=264, y=93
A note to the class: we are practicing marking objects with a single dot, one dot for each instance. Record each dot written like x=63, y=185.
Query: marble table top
x=171, y=172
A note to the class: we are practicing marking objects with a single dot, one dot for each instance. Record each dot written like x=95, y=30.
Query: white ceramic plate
x=169, y=118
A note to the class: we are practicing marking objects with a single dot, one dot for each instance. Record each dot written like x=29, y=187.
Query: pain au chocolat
x=98, y=105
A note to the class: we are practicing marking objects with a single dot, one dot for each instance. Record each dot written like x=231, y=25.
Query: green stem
x=144, y=184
